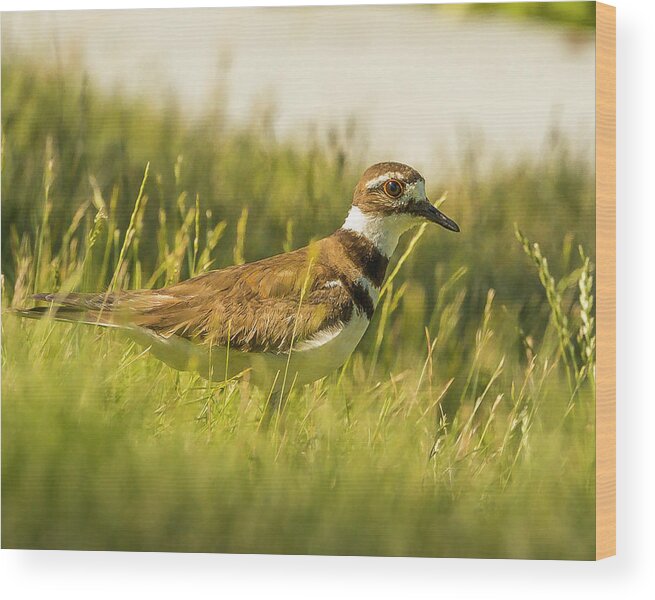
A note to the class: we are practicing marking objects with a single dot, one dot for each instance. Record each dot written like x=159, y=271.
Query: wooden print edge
x=606, y=280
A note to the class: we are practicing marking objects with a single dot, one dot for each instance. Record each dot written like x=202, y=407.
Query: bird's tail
x=90, y=309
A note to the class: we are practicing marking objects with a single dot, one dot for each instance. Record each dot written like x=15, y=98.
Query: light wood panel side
x=606, y=280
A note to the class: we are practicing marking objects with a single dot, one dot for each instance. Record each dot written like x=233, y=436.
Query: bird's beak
x=430, y=212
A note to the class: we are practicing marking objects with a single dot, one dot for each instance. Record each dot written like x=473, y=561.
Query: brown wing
x=251, y=307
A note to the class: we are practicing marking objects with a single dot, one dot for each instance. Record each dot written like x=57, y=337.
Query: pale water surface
x=419, y=81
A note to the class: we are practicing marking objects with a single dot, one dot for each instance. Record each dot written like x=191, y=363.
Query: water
x=420, y=82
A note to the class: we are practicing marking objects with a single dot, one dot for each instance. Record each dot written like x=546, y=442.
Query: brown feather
x=252, y=307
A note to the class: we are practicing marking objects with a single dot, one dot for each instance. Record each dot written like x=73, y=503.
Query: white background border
x=45, y=574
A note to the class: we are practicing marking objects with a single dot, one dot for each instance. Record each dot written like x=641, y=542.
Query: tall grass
x=463, y=425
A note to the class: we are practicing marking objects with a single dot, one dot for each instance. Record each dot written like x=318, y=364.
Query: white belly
x=310, y=360
x=317, y=358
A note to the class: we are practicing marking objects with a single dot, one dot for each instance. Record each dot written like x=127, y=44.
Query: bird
x=295, y=316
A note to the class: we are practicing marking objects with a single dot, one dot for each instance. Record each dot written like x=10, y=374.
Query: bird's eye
x=393, y=188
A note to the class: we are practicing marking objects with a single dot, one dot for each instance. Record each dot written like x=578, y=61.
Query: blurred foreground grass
x=462, y=426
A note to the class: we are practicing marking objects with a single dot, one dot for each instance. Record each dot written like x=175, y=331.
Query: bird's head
x=389, y=199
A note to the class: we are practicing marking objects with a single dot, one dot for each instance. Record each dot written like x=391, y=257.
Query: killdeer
x=300, y=314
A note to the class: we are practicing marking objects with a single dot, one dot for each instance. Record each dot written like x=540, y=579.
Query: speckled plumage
x=254, y=307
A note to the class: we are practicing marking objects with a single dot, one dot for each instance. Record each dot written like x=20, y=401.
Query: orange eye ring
x=393, y=188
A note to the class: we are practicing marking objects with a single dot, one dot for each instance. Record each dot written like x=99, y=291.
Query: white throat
x=383, y=230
